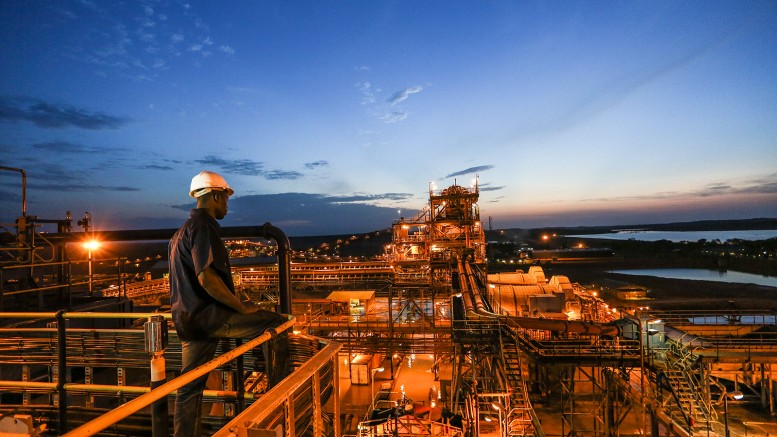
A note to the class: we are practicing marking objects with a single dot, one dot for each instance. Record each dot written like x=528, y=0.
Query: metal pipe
x=112, y=389
x=80, y=315
x=62, y=370
x=123, y=411
x=24, y=187
x=267, y=231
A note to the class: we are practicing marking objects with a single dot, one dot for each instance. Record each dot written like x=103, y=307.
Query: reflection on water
x=684, y=236
x=758, y=319
x=704, y=275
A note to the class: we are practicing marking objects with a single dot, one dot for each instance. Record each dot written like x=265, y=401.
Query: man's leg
x=188, y=401
x=276, y=351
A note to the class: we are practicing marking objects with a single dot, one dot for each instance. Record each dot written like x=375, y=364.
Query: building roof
x=345, y=295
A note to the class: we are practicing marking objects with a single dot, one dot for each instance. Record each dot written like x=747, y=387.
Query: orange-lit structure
x=501, y=343
x=447, y=229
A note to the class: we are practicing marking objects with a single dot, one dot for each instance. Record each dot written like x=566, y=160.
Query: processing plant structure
x=515, y=353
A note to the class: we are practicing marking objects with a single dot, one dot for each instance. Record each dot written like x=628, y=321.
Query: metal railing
x=64, y=279
x=45, y=357
x=297, y=402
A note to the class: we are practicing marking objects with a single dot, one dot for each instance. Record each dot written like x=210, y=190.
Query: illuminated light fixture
x=91, y=244
x=488, y=418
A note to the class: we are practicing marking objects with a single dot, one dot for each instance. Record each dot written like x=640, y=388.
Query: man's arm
x=212, y=283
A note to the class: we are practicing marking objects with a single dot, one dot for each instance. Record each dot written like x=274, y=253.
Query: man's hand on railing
x=249, y=307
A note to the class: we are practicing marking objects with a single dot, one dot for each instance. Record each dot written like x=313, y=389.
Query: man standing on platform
x=205, y=306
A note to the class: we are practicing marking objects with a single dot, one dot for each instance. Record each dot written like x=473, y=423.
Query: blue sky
x=336, y=116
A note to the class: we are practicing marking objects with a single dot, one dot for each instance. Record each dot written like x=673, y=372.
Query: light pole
x=90, y=245
x=372, y=386
x=649, y=332
x=733, y=395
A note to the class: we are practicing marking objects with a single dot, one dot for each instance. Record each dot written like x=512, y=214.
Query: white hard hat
x=207, y=181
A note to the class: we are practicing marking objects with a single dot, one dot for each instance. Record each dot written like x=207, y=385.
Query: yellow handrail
x=128, y=408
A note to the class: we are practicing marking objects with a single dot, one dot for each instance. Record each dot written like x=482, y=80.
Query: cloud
x=368, y=94
x=243, y=90
x=401, y=96
x=762, y=185
x=248, y=167
x=281, y=174
x=60, y=187
x=766, y=185
x=245, y=167
x=155, y=167
x=470, y=170
x=385, y=112
x=370, y=197
x=394, y=117
x=316, y=164
x=131, y=31
x=489, y=188
x=201, y=47
x=311, y=214
x=54, y=177
x=68, y=147
x=53, y=116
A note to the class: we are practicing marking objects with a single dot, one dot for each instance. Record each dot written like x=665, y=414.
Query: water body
x=704, y=275
x=678, y=236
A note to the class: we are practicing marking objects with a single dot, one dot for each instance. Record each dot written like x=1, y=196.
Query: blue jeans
x=188, y=401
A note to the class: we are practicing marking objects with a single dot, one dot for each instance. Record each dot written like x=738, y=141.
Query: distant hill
x=373, y=243
x=701, y=225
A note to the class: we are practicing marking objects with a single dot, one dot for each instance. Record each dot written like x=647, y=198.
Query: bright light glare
x=91, y=245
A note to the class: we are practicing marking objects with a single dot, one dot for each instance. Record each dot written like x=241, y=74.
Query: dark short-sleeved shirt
x=196, y=246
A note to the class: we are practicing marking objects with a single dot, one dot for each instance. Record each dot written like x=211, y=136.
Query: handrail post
x=156, y=342
x=61, y=370
x=240, y=384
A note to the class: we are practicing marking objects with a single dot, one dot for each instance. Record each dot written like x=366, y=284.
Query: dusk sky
x=331, y=117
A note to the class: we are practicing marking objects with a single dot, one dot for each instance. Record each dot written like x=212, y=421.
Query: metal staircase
x=521, y=419
x=689, y=404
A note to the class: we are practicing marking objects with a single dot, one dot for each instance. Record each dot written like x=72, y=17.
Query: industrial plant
x=510, y=353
